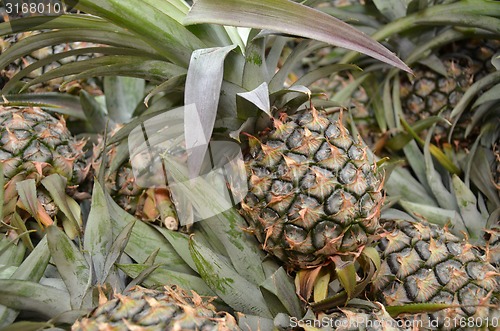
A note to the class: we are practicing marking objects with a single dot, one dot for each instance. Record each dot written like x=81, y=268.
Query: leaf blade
x=290, y=18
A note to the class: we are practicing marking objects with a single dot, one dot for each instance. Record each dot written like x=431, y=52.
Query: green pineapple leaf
x=204, y=78
x=259, y=97
x=27, y=194
x=145, y=239
x=11, y=252
x=290, y=18
x=116, y=250
x=148, y=23
x=28, y=326
x=71, y=264
x=56, y=185
x=161, y=276
x=123, y=94
x=467, y=204
x=93, y=110
x=243, y=250
x=32, y=269
x=98, y=234
x=281, y=286
x=225, y=281
x=30, y=296
x=62, y=103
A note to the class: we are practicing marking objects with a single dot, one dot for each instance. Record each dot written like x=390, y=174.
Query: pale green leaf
x=53, y=101
x=161, y=276
x=259, y=97
x=490, y=95
x=203, y=85
x=472, y=92
x=11, y=252
x=72, y=21
x=467, y=204
x=255, y=68
x=435, y=180
x=290, y=18
x=282, y=286
x=436, y=215
x=324, y=72
x=33, y=267
x=167, y=86
x=56, y=185
x=415, y=159
x=123, y=94
x=346, y=274
x=94, y=111
x=71, y=264
x=50, y=59
x=392, y=9
x=27, y=326
x=180, y=242
x=147, y=22
x=31, y=296
x=321, y=286
x=117, y=249
x=233, y=289
x=144, y=240
x=401, y=183
x=98, y=233
x=242, y=248
x=33, y=43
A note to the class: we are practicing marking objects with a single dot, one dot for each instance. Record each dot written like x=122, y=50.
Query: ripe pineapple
x=143, y=309
x=33, y=145
x=147, y=204
x=313, y=191
x=428, y=92
x=423, y=263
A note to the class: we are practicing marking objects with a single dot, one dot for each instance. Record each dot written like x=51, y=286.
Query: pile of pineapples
x=372, y=198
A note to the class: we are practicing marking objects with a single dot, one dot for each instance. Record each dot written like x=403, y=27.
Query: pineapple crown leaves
x=80, y=269
x=481, y=14
x=126, y=25
x=218, y=257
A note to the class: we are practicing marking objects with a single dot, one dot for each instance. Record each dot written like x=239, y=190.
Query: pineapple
x=151, y=43
x=426, y=264
x=147, y=204
x=34, y=145
x=492, y=248
x=168, y=309
x=313, y=191
x=429, y=93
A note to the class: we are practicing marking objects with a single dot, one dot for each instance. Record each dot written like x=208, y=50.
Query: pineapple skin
x=34, y=144
x=423, y=263
x=313, y=191
x=146, y=309
x=30, y=137
x=429, y=93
